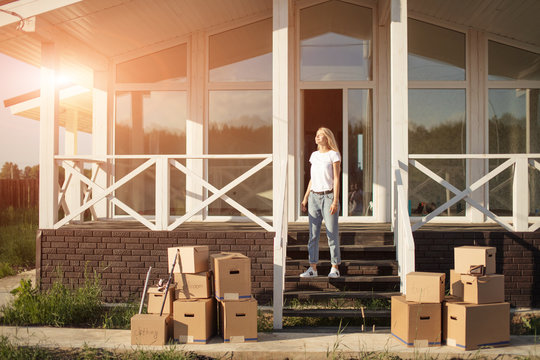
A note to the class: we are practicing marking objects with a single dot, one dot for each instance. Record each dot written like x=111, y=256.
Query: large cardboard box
x=150, y=329
x=232, y=276
x=466, y=256
x=483, y=289
x=238, y=320
x=425, y=287
x=155, y=300
x=193, y=259
x=192, y=286
x=472, y=326
x=194, y=320
x=416, y=324
x=456, y=285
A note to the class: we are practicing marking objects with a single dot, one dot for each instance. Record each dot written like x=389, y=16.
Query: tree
x=10, y=171
x=31, y=172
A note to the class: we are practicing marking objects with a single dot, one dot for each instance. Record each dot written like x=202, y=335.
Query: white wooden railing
x=94, y=192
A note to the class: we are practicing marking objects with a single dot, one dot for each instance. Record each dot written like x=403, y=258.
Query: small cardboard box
x=471, y=326
x=192, y=286
x=194, y=320
x=456, y=285
x=150, y=329
x=155, y=300
x=238, y=320
x=232, y=276
x=425, y=287
x=416, y=324
x=483, y=289
x=467, y=256
x=193, y=259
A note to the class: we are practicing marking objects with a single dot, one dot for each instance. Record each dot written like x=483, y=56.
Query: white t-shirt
x=322, y=170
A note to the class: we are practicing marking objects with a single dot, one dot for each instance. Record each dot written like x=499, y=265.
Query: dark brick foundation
x=122, y=258
x=518, y=258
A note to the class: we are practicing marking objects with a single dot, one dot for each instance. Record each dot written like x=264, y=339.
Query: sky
x=19, y=137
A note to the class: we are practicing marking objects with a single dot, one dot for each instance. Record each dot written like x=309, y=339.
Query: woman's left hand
x=333, y=208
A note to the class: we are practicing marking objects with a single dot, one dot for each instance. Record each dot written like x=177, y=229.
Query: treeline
x=11, y=171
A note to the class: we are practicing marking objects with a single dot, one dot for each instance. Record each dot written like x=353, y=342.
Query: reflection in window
x=360, y=167
x=242, y=54
x=435, y=53
x=510, y=63
x=240, y=122
x=437, y=125
x=514, y=127
x=336, y=42
x=166, y=65
x=150, y=122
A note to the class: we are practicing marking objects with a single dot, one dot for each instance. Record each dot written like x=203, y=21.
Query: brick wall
x=122, y=258
x=518, y=258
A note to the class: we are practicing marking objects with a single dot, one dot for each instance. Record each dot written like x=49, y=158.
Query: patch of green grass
x=18, y=229
x=525, y=325
x=6, y=270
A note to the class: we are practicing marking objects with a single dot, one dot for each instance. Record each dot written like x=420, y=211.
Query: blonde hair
x=332, y=144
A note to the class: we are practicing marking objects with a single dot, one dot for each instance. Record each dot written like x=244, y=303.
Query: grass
x=18, y=229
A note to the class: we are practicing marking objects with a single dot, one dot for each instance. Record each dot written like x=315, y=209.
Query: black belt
x=322, y=192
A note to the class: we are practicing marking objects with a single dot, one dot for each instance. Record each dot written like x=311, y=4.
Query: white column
x=163, y=201
x=521, y=195
x=48, y=139
x=99, y=137
x=73, y=192
x=280, y=106
x=399, y=117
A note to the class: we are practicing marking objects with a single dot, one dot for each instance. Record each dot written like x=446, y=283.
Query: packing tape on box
x=237, y=339
x=421, y=343
x=185, y=339
x=231, y=296
x=451, y=342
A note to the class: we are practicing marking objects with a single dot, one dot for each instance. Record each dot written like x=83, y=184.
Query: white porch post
x=73, y=192
x=399, y=120
x=99, y=136
x=48, y=139
x=521, y=195
x=280, y=106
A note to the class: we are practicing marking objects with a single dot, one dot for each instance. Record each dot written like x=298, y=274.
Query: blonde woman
x=322, y=201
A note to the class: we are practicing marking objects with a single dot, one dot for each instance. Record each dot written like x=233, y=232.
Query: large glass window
x=507, y=62
x=240, y=122
x=336, y=42
x=242, y=54
x=150, y=122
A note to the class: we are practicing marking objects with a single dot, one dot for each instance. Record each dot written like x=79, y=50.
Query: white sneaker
x=309, y=273
x=334, y=273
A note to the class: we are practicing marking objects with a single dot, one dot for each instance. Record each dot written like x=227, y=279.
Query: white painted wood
x=72, y=195
x=162, y=191
x=520, y=196
x=405, y=246
x=99, y=137
x=29, y=8
x=134, y=214
x=48, y=139
x=280, y=126
x=473, y=156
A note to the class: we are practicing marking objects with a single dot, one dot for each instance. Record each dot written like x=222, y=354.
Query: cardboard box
x=471, y=326
x=193, y=259
x=150, y=329
x=194, y=320
x=416, y=324
x=192, y=286
x=238, y=320
x=425, y=287
x=232, y=276
x=466, y=256
x=456, y=285
x=155, y=300
x=483, y=289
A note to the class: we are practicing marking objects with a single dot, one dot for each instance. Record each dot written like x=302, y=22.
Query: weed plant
x=18, y=229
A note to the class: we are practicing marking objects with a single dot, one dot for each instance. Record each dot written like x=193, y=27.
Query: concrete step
x=329, y=294
x=341, y=313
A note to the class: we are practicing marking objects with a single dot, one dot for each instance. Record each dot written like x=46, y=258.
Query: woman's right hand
x=304, y=205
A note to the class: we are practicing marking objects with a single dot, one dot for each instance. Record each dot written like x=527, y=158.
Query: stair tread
x=345, y=262
x=346, y=278
x=338, y=293
x=348, y=247
x=337, y=312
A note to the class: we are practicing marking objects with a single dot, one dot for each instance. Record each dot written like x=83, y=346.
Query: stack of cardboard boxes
x=189, y=311
x=475, y=315
x=416, y=317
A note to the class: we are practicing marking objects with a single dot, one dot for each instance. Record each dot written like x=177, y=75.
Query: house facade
x=205, y=112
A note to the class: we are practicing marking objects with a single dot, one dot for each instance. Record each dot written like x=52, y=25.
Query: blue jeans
x=319, y=210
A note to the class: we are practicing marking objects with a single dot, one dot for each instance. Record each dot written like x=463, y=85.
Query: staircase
x=368, y=274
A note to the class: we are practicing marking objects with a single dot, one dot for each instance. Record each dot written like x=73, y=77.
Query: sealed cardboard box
x=472, y=326
x=155, y=300
x=483, y=289
x=456, y=285
x=150, y=329
x=192, y=286
x=232, y=276
x=467, y=256
x=425, y=287
x=194, y=320
x=238, y=320
x=193, y=259
x=416, y=324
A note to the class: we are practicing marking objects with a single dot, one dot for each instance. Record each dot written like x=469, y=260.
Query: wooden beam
x=28, y=8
